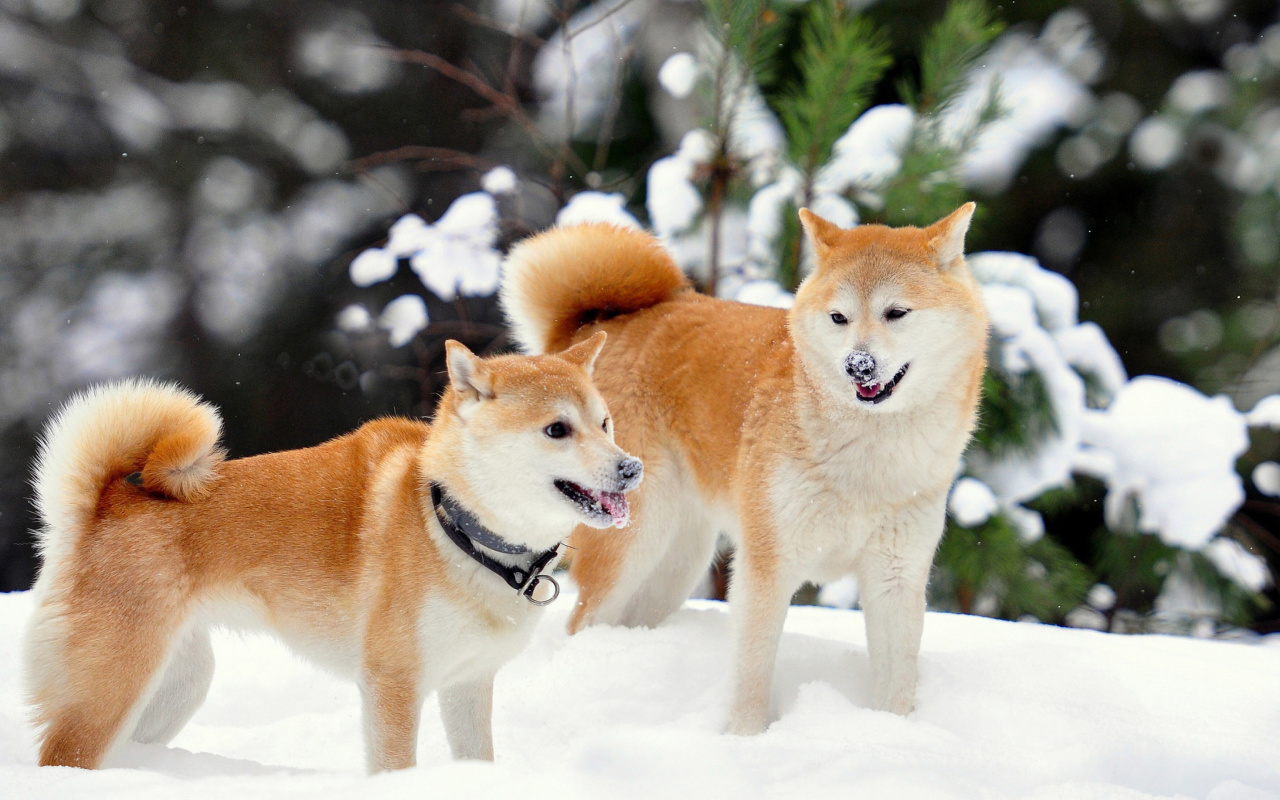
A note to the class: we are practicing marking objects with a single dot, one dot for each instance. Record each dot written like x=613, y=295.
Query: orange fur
x=550, y=281
x=748, y=424
x=334, y=547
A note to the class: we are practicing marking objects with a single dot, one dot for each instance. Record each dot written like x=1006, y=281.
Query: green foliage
x=1015, y=413
x=750, y=30
x=751, y=35
x=991, y=562
x=841, y=59
x=951, y=48
x=928, y=187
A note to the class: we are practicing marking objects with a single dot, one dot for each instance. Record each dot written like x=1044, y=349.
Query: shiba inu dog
x=408, y=557
x=823, y=439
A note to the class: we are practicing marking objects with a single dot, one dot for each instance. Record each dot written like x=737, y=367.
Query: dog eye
x=556, y=430
x=896, y=313
x=604, y=426
x=838, y=318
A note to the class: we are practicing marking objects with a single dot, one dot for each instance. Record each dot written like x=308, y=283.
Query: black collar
x=465, y=531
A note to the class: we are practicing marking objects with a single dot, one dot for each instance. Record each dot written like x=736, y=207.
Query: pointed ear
x=468, y=376
x=822, y=234
x=584, y=353
x=946, y=236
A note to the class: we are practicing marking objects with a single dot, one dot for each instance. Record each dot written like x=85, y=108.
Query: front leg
x=466, y=708
x=392, y=705
x=758, y=600
x=893, y=572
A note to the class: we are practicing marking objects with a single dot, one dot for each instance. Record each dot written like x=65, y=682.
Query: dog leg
x=893, y=573
x=391, y=705
x=670, y=582
x=466, y=709
x=107, y=663
x=181, y=692
x=758, y=600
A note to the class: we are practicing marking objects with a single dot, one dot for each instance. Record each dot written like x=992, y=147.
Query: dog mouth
x=879, y=392
x=610, y=507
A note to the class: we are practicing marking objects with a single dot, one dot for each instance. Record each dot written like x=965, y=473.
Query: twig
x=456, y=158
x=516, y=31
x=605, y=139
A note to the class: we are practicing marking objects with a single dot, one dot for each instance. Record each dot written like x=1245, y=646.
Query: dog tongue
x=868, y=391
x=615, y=504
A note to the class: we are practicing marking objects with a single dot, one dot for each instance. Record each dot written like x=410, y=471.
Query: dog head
x=533, y=443
x=890, y=319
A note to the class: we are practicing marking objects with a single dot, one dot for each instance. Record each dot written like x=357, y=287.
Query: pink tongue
x=615, y=503
x=868, y=391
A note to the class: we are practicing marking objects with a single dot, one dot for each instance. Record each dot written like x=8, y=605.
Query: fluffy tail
x=158, y=429
x=564, y=278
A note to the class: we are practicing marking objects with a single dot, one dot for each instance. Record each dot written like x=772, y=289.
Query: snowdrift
x=1005, y=710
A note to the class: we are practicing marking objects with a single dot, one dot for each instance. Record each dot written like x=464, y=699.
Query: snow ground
x=1005, y=710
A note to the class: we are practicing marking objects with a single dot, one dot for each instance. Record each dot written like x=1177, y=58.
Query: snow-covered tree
x=770, y=129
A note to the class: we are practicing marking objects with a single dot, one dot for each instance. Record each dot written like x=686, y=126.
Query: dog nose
x=630, y=471
x=861, y=366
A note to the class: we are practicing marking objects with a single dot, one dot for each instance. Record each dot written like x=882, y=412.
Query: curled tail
x=158, y=429
x=564, y=278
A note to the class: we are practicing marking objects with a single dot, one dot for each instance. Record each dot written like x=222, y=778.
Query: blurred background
x=206, y=192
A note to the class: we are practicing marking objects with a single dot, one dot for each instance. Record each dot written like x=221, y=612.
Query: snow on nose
x=861, y=366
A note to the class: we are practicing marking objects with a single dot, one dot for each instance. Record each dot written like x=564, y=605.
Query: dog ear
x=468, y=376
x=584, y=353
x=946, y=236
x=823, y=235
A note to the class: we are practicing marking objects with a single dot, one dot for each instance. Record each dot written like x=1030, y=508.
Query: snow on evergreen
x=1174, y=450
x=597, y=207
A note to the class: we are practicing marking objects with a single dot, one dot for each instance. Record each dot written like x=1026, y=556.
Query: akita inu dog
x=823, y=440
x=374, y=554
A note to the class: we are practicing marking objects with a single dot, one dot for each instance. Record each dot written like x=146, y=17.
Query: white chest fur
x=855, y=478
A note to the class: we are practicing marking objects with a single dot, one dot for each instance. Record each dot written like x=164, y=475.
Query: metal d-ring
x=533, y=584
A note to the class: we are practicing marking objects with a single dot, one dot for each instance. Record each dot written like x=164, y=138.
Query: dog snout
x=630, y=471
x=861, y=366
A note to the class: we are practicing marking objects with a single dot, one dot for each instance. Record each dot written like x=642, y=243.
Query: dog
x=408, y=557
x=822, y=440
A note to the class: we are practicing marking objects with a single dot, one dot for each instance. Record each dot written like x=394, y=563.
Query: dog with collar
x=822, y=440
x=408, y=557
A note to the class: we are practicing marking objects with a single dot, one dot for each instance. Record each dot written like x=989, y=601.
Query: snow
x=1266, y=477
x=454, y=256
x=1101, y=596
x=1174, y=450
x=354, y=318
x=499, y=181
x=1238, y=564
x=673, y=200
x=1200, y=91
x=1155, y=143
x=1025, y=346
x=870, y=152
x=1038, y=96
x=1055, y=297
x=403, y=318
x=1086, y=347
x=1266, y=413
x=597, y=207
x=765, y=292
x=679, y=74
x=576, y=70
x=374, y=265
x=1004, y=710
x=972, y=502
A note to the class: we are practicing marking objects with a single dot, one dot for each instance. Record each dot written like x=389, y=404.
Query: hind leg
x=92, y=655
x=181, y=692
x=673, y=578
x=611, y=567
